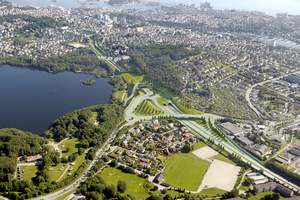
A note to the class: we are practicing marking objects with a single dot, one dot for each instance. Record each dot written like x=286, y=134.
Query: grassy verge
x=211, y=192
x=224, y=159
x=162, y=101
x=66, y=195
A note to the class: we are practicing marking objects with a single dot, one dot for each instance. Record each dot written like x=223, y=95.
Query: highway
x=108, y=60
x=187, y=120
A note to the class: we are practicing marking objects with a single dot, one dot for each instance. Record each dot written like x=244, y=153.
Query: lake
x=30, y=100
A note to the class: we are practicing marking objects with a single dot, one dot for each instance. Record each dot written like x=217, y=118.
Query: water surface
x=30, y=100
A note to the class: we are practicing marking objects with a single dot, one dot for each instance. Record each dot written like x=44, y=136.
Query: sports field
x=184, y=172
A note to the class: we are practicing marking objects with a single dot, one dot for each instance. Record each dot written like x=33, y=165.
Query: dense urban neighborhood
x=205, y=103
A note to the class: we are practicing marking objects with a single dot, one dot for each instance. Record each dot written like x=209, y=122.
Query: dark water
x=30, y=100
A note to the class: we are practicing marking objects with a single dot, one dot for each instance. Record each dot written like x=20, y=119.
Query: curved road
x=186, y=119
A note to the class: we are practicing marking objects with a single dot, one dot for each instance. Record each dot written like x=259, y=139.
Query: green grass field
x=29, y=172
x=224, y=159
x=184, y=172
x=77, y=162
x=72, y=144
x=119, y=94
x=55, y=173
x=93, y=118
x=162, y=100
x=135, y=184
x=261, y=195
x=146, y=108
x=210, y=192
x=131, y=76
x=228, y=68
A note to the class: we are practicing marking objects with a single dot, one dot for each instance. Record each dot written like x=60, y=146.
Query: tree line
x=84, y=60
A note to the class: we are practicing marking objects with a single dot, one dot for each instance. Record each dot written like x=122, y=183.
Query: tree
x=186, y=148
x=122, y=186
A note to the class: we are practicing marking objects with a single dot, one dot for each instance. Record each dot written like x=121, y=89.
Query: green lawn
x=228, y=68
x=131, y=76
x=55, y=173
x=74, y=168
x=261, y=195
x=211, y=192
x=185, y=172
x=93, y=118
x=135, y=183
x=29, y=172
x=72, y=144
x=162, y=100
x=224, y=159
x=199, y=145
x=119, y=94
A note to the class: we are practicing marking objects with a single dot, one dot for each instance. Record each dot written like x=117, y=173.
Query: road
x=108, y=60
x=247, y=96
x=187, y=120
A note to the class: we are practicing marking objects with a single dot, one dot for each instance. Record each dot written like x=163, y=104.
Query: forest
x=37, y=22
x=158, y=63
x=79, y=60
x=15, y=143
x=76, y=123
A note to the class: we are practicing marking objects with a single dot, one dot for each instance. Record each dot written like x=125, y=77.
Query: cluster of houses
x=263, y=106
x=141, y=146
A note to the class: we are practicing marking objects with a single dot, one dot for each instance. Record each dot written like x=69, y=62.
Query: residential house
x=159, y=178
x=130, y=161
x=141, y=149
x=121, y=159
x=119, y=152
x=154, y=163
x=166, y=151
x=113, y=156
x=144, y=165
x=145, y=160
